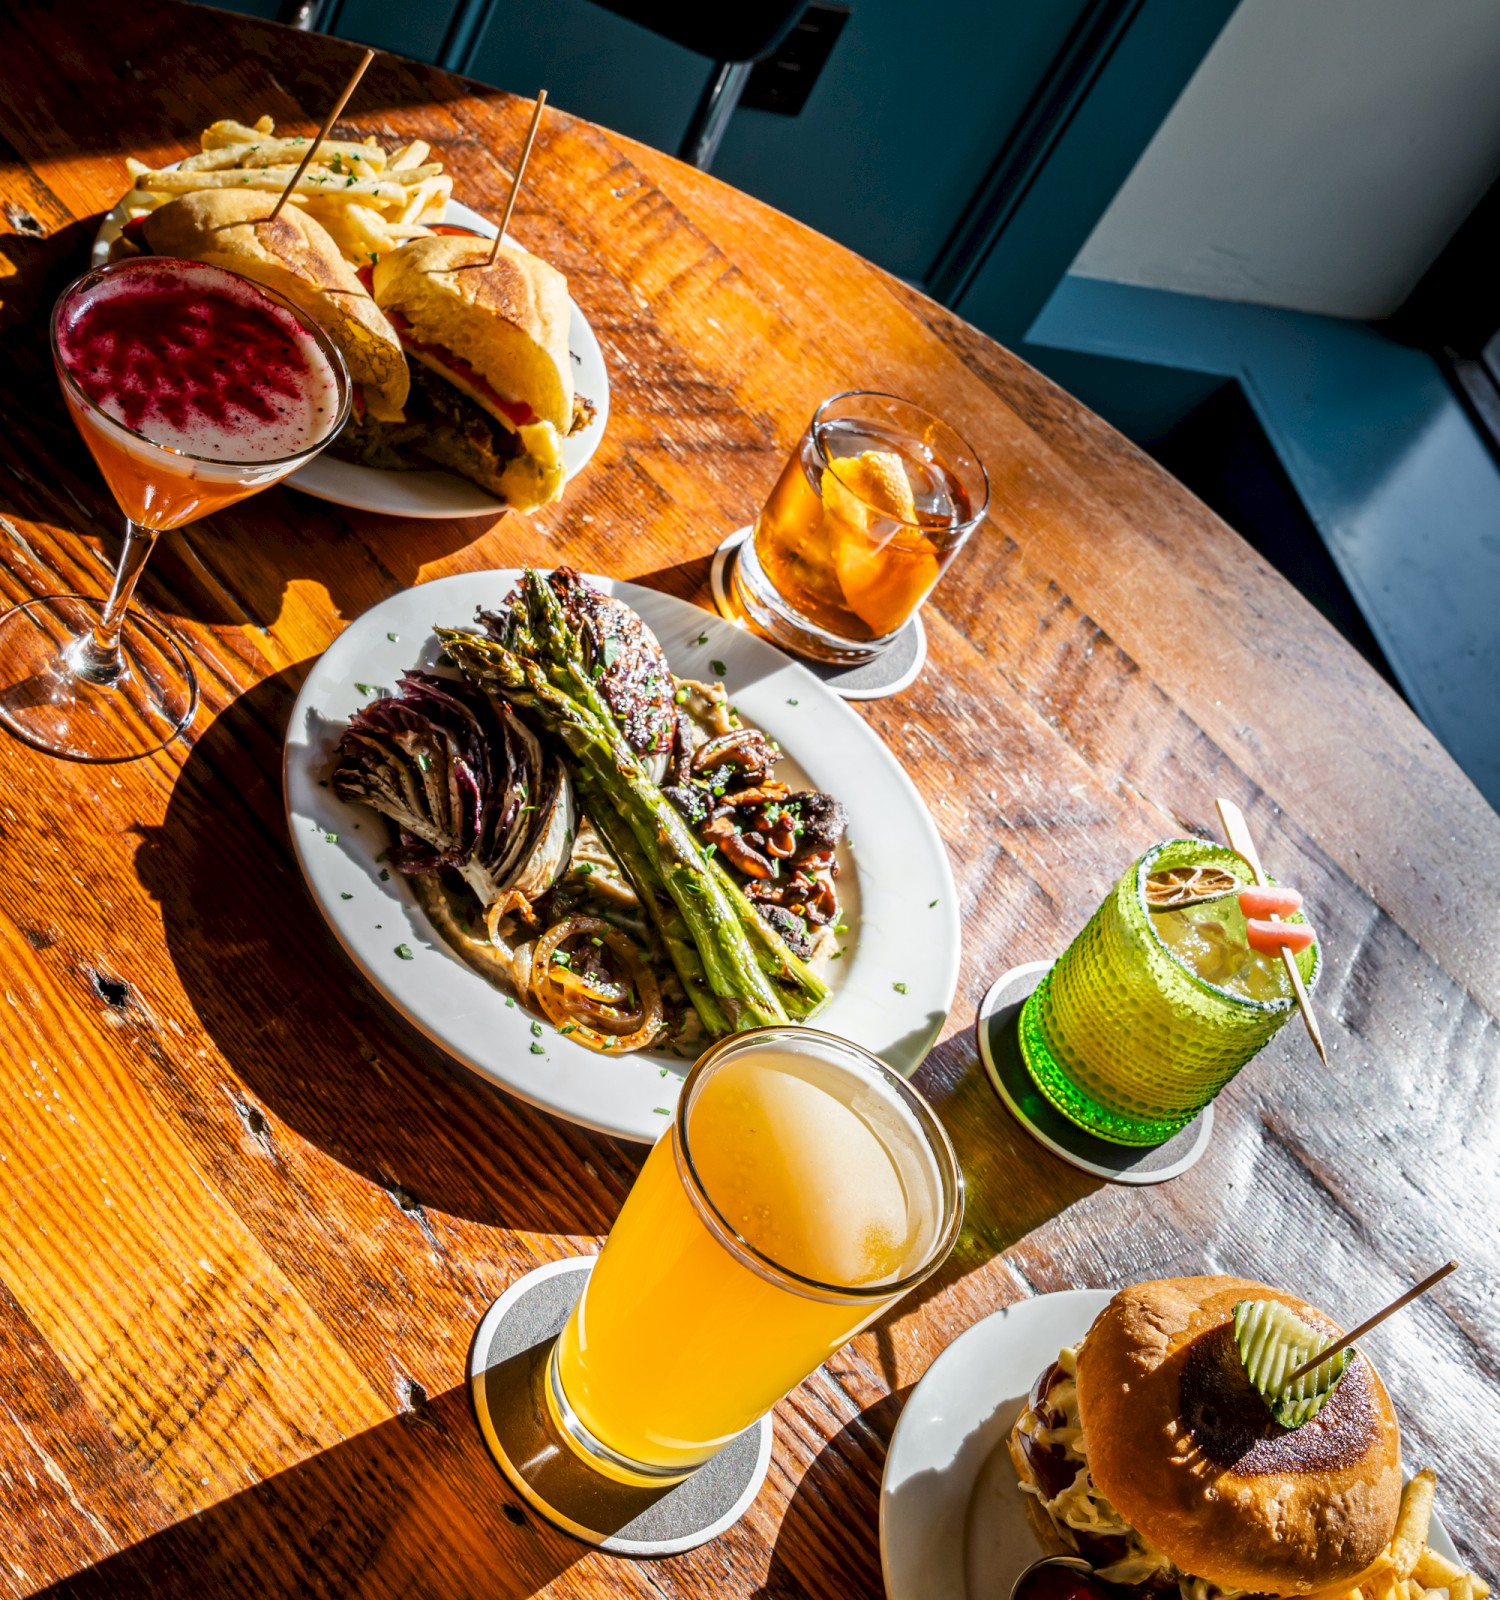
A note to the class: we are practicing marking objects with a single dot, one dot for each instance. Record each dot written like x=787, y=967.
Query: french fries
x=1408, y=1568
x=368, y=198
x=1413, y=1522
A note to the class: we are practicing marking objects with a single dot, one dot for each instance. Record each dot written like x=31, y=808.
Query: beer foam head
x=819, y=1171
x=199, y=360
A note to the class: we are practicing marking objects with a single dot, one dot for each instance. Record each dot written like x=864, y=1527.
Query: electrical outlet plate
x=782, y=82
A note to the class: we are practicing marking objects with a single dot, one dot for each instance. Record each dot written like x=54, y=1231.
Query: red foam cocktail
x=193, y=388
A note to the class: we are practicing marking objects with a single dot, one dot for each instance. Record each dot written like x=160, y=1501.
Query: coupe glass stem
x=97, y=658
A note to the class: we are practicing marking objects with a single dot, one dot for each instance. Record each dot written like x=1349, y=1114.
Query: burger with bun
x=1149, y=1450
x=492, y=377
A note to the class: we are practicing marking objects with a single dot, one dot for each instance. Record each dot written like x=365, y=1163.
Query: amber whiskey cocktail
x=802, y=1190
x=877, y=499
x=1161, y=999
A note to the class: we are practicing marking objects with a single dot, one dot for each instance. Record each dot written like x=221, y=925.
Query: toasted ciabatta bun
x=507, y=321
x=295, y=256
x=1187, y=1452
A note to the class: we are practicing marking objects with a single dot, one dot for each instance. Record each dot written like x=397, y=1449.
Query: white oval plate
x=953, y=1522
x=435, y=493
x=900, y=905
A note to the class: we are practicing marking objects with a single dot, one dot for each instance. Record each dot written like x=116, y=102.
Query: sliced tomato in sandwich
x=517, y=412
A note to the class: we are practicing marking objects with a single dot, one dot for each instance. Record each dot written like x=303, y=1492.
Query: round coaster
x=507, y=1371
x=1000, y=1050
x=892, y=670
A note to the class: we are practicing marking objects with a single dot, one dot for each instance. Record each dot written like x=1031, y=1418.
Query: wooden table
x=250, y=1221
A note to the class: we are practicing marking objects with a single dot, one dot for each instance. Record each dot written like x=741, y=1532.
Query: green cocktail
x=1151, y=1011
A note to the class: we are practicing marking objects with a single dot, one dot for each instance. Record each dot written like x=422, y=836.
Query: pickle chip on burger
x=1148, y=1450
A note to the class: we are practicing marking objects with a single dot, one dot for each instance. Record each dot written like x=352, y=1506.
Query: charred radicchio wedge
x=466, y=782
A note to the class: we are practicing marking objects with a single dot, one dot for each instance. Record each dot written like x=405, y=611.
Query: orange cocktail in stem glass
x=192, y=388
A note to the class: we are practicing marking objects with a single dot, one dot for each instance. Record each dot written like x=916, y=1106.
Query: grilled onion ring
x=569, y=1010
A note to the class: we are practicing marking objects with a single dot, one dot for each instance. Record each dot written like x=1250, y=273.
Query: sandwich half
x=492, y=378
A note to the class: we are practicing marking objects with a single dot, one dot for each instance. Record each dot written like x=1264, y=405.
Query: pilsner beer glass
x=802, y=1189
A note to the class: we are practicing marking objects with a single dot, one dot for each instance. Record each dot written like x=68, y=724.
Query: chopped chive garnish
x=538, y=1048
x=331, y=838
x=719, y=669
x=931, y=904
x=900, y=988
x=393, y=637
x=404, y=951
x=385, y=876
x=701, y=639
x=792, y=702
x=536, y=1028
x=345, y=895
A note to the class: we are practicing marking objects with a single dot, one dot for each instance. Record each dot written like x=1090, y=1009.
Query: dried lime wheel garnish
x=1172, y=887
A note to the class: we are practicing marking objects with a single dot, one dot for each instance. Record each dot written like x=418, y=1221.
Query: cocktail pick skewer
x=323, y=132
x=515, y=182
x=1372, y=1322
x=1237, y=831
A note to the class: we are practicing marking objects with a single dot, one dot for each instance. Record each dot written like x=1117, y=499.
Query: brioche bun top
x=507, y=319
x=1188, y=1453
x=296, y=256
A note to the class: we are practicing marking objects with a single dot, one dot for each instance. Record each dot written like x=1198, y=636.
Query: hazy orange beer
x=802, y=1189
x=874, y=504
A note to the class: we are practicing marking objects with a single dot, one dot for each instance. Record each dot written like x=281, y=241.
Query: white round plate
x=891, y=989
x=435, y=493
x=953, y=1522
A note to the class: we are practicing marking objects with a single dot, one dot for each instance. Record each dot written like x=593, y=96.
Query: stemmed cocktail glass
x=193, y=388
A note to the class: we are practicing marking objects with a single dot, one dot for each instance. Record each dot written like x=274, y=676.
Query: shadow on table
x=307, y=1037
x=412, y=1506
x=832, y=1522
x=1012, y=1185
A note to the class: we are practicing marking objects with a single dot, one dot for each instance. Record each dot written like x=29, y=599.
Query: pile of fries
x=368, y=198
x=1409, y=1569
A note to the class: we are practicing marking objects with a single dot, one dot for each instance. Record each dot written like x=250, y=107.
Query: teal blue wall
x=913, y=106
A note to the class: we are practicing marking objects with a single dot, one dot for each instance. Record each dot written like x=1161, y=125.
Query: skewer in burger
x=296, y=256
x=492, y=378
x=1149, y=1451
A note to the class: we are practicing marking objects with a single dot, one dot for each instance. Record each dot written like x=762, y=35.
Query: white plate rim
x=427, y=494
x=946, y=1406
x=629, y=1097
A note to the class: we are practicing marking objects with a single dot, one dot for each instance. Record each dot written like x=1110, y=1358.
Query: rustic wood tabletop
x=251, y=1220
